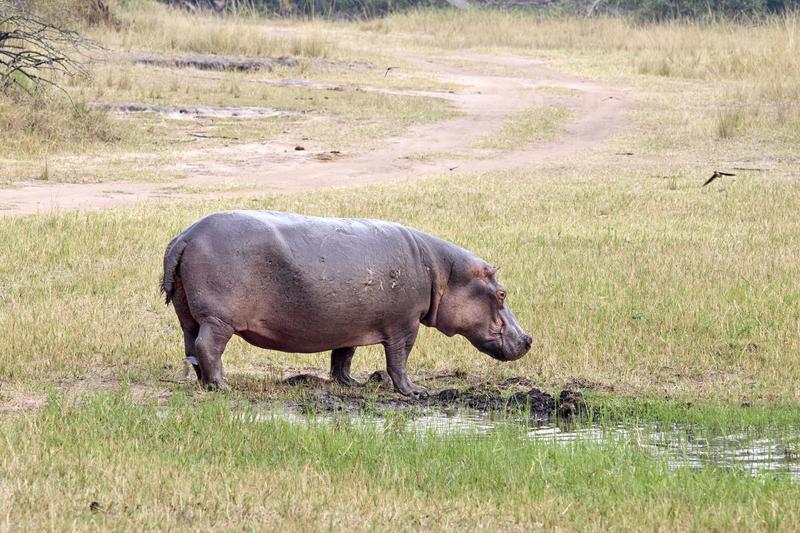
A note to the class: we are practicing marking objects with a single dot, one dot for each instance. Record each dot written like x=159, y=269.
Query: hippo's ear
x=485, y=271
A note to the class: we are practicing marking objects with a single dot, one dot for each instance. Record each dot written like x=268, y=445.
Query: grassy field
x=664, y=300
x=653, y=286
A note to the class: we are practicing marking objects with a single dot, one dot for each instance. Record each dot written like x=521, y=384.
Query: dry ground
x=484, y=102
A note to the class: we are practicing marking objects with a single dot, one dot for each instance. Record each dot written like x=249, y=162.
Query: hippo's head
x=473, y=304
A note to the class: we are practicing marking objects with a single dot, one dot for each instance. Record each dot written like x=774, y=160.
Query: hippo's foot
x=219, y=385
x=411, y=390
x=346, y=380
x=340, y=366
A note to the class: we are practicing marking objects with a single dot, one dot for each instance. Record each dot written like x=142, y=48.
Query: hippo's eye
x=501, y=295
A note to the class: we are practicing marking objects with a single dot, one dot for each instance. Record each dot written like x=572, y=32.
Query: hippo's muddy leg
x=209, y=344
x=396, y=358
x=340, y=366
x=189, y=326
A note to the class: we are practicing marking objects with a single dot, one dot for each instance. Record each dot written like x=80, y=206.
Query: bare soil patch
x=194, y=112
x=486, y=102
x=221, y=63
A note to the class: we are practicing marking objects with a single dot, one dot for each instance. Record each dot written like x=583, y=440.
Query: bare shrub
x=34, y=53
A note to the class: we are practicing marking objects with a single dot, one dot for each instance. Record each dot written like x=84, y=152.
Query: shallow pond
x=754, y=451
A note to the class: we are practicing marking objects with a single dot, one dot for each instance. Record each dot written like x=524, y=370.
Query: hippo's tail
x=172, y=258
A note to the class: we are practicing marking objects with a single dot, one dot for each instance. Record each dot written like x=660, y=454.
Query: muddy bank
x=192, y=112
x=514, y=395
x=234, y=63
x=213, y=62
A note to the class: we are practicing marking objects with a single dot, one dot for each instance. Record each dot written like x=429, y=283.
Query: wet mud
x=515, y=395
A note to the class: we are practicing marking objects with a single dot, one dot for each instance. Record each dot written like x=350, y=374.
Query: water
x=756, y=452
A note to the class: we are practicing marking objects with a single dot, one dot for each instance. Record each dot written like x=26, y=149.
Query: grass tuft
x=730, y=122
x=537, y=124
x=42, y=124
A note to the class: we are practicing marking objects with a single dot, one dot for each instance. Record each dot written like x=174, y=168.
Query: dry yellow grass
x=529, y=126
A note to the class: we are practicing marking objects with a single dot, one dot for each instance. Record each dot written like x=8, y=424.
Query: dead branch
x=34, y=53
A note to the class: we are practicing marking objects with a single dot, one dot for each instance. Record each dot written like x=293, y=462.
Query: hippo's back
x=259, y=270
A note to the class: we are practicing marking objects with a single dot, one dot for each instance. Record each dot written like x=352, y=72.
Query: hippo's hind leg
x=397, y=351
x=340, y=366
x=189, y=336
x=189, y=326
x=209, y=344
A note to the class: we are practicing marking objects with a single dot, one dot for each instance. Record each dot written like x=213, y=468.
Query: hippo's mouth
x=494, y=348
x=498, y=348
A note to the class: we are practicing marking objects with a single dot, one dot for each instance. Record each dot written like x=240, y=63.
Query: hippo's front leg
x=396, y=357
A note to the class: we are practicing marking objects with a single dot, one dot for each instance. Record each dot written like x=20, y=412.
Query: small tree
x=34, y=53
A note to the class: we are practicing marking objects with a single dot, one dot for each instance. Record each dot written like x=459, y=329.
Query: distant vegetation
x=642, y=9
x=671, y=9
x=311, y=8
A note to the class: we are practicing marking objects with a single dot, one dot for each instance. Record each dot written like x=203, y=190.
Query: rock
x=303, y=379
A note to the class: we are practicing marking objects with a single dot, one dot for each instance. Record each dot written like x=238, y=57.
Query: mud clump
x=571, y=404
x=540, y=404
x=304, y=379
x=537, y=404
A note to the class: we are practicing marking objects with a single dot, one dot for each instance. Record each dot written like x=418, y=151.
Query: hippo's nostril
x=528, y=341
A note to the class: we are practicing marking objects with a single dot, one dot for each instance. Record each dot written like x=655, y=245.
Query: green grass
x=714, y=417
x=206, y=464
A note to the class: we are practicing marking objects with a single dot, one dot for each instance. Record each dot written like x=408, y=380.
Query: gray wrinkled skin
x=306, y=284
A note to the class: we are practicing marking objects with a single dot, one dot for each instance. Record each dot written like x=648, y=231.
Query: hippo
x=307, y=284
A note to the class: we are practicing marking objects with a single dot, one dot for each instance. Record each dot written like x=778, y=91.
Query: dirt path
x=423, y=150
